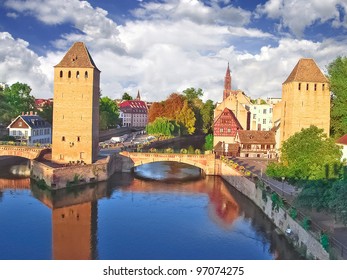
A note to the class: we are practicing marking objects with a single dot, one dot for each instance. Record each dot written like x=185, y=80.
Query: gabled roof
x=342, y=140
x=256, y=137
x=306, y=70
x=33, y=121
x=231, y=114
x=77, y=57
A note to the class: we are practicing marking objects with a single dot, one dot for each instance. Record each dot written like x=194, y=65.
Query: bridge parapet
x=21, y=151
x=202, y=161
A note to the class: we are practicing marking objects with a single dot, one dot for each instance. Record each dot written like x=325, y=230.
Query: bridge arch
x=205, y=162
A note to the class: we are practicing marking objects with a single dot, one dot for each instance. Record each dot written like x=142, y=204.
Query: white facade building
x=261, y=116
x=31, y=129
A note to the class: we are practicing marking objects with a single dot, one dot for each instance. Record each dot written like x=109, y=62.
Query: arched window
x=77, y=74
x=69, y=74
x=86, y=74
x=61, y=74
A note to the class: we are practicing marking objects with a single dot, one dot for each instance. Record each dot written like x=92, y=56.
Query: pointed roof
x=77, y=56
x=306, y=70
x=342, y=140
x=138, y=97
x=231, y=114
x=228, y=71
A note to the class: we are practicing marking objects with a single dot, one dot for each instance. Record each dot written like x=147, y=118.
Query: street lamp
x=283, y=178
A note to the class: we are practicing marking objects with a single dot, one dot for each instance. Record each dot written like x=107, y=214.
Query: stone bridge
x=21, y=151
x=205, y=162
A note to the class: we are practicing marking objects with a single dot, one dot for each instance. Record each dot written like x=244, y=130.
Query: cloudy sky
x=165, y=46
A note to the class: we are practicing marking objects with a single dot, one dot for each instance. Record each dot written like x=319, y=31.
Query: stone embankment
x=302, y=239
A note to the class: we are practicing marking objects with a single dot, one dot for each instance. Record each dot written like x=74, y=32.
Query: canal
x=134, y=217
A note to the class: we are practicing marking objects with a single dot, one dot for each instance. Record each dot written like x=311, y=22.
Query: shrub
x=197, y=151
x=183, y=151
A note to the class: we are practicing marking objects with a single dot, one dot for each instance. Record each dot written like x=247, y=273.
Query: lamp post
x=283, y=178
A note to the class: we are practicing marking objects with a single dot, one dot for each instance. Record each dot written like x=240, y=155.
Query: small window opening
x=63, y=138
x=69, y=74
x=299, y=86
x=315, y=87
x=77, y=74
x=61, y=74
x=307, y=86
x=78, y=138
x=86, y=74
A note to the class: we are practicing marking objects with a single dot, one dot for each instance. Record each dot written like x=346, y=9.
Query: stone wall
x=300, y=237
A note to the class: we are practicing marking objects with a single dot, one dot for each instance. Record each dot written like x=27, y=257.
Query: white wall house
x=261, y=116
x=342, y=142
x=31, y=129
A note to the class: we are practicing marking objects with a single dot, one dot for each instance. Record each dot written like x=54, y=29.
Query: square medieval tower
x=305, y=99
x=76, y=107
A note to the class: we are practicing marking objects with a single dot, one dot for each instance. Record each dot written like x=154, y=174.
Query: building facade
x=31, y=129
x=76, y=107
x=256, y=144
x=305, y=100
x=261, y=116
x=133, y=113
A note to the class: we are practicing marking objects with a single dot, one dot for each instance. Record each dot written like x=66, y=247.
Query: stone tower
x=227, y=84
x=76, y=107
x=305, y=99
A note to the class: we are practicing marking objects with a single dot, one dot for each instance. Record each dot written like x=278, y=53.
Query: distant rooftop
x=306, y=70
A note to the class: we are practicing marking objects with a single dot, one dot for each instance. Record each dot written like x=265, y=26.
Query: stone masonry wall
x=280, y=218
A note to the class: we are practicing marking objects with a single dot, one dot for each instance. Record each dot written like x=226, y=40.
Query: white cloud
x=297, y=15
x=166, y=49
x=12, y=15
x=19, y=64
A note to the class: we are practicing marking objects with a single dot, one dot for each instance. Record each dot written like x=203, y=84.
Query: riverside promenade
x=321, y=221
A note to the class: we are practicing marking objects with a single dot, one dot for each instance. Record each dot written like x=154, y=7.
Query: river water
x=133, y=218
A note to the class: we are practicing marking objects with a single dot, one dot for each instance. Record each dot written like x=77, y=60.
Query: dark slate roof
x=77, y=57
x=35, y=121
x=306, y=70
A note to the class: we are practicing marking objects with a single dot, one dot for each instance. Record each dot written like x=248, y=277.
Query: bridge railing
x=169, y=151
x=24, y=144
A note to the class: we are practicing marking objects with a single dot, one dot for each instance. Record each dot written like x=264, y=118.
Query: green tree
x=186, y=119
x=308, y=155
x=126, y=96
x=206, y=113
x=192, y=93
x=208, y=142
x=47, y=112
x=161, y=126
x=337, y=73
x=109, y=113
x=19, y=99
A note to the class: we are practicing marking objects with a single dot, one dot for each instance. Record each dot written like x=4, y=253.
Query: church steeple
x=227, y=83
x=138, y=97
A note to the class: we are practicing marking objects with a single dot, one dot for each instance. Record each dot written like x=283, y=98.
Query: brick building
x=133, y=113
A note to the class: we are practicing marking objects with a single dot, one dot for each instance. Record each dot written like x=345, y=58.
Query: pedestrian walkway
x=321, y=221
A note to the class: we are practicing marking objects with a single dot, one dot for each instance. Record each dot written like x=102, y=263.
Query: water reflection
x=129, y=218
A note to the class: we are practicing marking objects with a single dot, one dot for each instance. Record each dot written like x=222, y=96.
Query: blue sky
x=165, y=46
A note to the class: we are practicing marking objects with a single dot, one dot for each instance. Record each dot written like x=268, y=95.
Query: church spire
x=227, y=83
x=138, y=97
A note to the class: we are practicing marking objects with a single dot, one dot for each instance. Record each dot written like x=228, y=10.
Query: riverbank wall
x=303, y=240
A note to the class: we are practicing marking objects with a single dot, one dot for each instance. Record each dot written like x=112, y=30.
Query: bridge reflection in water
x=76, y=224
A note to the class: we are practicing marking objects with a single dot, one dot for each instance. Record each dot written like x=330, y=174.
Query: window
x=315, y=87
x=61, y=74
x=264, y=111
x=61, y=156
x=323, y=86
x=81, y=155
x=63, y=138
x=77, y=74
x=20, y=124
x=307, y=86
x=270, y=110
x=69, y=74
x=254, y=116
x=78, y=138
x=14, y=133
x=86, y=74
x=299, y=86
x=221, y=130
x=229, y=130
x=264, y=121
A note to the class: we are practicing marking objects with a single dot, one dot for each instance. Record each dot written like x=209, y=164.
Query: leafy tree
x=337, y=73
x=206, y=113
x=161, y=126
x=308, y=155
x=47, y=112
x=109, y=113
x=192, y=93
x=157, y=110
x=18, y=98
x=6, y=111
x=208, y=142
x=173, y=105
x=186, y=119
x=126, y=96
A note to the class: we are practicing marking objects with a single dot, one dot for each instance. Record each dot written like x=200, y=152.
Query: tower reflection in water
x=75, y=212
